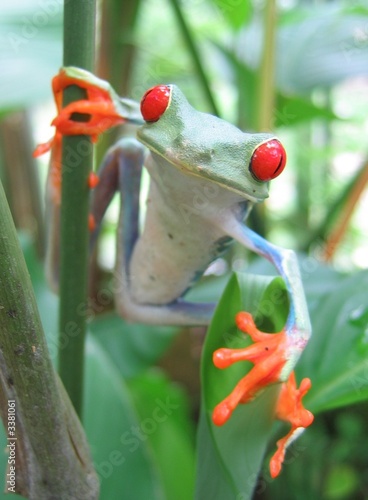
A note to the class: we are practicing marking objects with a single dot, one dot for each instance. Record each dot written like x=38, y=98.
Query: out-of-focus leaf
x=133, y=347
x=247, y=85
x=342, y=482
x=165, y=422
x=208, y=289
x=30, y=50
x=336, y=356
x=235, y=12
x=318, y=278
x=318, y=47
x=295, y=109
x=121, y=457
x=232, y=455
x=290, y=109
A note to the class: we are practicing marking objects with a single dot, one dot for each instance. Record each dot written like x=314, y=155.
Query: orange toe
x=93, y=180
x=268, y=355
x=290, y=409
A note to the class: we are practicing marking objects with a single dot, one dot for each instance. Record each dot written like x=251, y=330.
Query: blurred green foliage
x=319, y=111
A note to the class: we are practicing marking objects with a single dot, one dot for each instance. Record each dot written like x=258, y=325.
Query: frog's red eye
x=155, y=102
x=268, y=160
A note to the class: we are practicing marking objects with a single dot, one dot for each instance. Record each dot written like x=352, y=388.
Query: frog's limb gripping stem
x=268, y=356
x=104, y=107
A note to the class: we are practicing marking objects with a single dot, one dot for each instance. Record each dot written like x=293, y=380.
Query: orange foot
x=103, y=115
x=290, y=408
x=98, y=104
x=268, y=356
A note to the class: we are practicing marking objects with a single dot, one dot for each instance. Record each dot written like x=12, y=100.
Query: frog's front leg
x=275, y=362
x=121, y=171
x=274, y=355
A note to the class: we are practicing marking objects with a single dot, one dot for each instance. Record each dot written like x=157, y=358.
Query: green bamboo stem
x=194, y=52
x=51, y=453
x=79, y=44
x=266, y=96
x=266, y=75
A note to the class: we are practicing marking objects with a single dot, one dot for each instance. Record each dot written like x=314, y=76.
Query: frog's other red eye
x=268, y=160
x=155, y=102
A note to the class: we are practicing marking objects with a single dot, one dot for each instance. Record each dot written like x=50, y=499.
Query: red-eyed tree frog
x=206, y=175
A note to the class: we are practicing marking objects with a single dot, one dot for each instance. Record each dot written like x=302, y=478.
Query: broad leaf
x=289, y=110
x=336, y=356
x=316, y=46
x=122, y=460
x=164, y=416
x=232, y=454
x=132, y=347
x=235, y=12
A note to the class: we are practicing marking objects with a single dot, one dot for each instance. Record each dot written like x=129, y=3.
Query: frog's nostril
x=155, y=102
x=268, y=160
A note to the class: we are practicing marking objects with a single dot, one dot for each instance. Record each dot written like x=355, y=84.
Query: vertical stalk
x=51, y=454
x=266, y=83
x=193, y=50
x=79, y=50
x=266, y=95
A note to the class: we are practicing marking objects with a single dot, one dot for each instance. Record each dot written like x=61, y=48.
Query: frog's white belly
x=168, y=259
x=180, y=237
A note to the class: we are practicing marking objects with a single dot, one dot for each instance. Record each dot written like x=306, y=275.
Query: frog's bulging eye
x=155, y=102
x=268, y=160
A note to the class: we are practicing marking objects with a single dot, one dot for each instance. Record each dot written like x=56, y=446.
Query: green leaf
x=317, y=46
x=232, y=454
x=131, y=346
x=342, y=482
x=325, y=47
x=235, y=12
x=336, y=356
x=169, y=433
x=295, y=109
x=121, y=457
x=290, y=109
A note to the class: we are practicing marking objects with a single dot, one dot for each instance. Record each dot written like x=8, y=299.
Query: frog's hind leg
x=121, y=171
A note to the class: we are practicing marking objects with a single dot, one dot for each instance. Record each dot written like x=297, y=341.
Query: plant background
x=319, y=112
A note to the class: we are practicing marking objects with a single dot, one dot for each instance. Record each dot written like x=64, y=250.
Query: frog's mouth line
x=202, y=173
